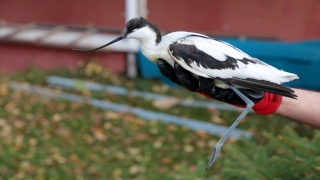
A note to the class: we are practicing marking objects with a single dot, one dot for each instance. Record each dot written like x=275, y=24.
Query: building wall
x=291, y=20
x=15, y=57
x=84, y=12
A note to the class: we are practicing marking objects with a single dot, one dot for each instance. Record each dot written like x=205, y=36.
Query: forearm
x=305, y=109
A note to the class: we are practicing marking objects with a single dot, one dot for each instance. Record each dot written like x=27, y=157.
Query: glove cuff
x=268, y=105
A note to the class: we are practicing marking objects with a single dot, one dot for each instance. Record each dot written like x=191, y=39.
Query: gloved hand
x=265, y=103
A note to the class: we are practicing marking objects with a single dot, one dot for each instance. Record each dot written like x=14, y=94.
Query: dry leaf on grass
x=166, y=103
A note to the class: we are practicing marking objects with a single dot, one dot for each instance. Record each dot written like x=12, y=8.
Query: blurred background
x=283, y=33
x=45, y=134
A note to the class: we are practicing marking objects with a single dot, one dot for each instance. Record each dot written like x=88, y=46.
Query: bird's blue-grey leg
x=217, y=147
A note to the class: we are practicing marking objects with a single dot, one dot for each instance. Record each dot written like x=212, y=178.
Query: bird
x=203, y=56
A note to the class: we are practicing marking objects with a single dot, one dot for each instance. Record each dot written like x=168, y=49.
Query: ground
x=45, y=138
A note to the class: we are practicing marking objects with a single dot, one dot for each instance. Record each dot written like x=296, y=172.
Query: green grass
x=57, y=139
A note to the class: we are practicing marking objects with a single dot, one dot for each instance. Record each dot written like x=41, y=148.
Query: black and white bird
x=203, y=56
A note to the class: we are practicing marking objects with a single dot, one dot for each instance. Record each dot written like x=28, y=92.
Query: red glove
x=268, y=105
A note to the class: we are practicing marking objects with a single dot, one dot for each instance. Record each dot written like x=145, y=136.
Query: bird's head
x=137, y=28
x=140, y=28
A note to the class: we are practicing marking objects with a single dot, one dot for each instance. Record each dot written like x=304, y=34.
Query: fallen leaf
x=98, y=134
x=188, y=148
x=201, y=144
x=157, y=144
x=211, y=143
x=154, y=131
x=202, y=134
x=56, y=117
x=172, y=127
x=134, y=169
x=133, y=151
x=116, y=173
x=166, y=160
x=141, y=136
x=4, y=89
x=166, y=103
x=107, y=125
x=33, y=142
x=215, y=118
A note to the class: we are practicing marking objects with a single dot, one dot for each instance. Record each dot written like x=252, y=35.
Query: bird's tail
x=286, y=77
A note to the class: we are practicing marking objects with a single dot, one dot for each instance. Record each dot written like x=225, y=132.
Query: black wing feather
x=262, y=85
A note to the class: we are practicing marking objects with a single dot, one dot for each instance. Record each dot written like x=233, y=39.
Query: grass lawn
x=45, y=138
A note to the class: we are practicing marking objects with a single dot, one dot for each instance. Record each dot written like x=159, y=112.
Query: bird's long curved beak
x=116, y=40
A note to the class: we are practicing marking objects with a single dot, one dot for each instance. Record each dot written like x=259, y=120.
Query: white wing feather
x=219, y=51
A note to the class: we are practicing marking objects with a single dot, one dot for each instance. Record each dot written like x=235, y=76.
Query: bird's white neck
x=149, y=49
x=149, y=41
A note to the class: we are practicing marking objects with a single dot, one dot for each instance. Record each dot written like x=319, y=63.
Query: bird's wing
x=216, y=59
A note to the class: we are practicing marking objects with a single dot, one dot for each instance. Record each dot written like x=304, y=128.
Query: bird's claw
x=214, y=156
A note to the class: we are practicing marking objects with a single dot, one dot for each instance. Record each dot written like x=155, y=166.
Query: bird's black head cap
x=140, y=22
